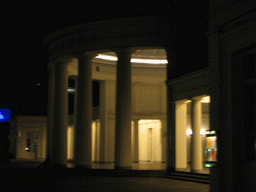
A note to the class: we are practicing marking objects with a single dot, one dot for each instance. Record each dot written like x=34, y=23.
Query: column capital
x=85, y=54
x=198, y=97
x=63, y=60
x=181, y=101
x=124, y=50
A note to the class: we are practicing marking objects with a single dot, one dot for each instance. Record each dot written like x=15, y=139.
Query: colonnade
x=58, y=111
x=58, y=115
x=181, y=134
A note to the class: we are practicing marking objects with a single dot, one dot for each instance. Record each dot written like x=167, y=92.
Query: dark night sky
x=24, y=59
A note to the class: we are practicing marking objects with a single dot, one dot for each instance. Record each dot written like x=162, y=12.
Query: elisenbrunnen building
x=154, y=106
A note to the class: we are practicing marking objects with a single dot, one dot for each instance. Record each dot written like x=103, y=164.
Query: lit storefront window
x=211, y=149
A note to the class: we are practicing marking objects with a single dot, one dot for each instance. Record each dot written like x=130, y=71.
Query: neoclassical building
x=126, y=98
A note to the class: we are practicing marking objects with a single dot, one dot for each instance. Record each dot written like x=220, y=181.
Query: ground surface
x=21, y=176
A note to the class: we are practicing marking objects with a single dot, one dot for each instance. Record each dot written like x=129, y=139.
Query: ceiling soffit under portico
x=154, y=73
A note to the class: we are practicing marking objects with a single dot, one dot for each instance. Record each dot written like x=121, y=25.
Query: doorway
x=31, y=145
x=150, y=148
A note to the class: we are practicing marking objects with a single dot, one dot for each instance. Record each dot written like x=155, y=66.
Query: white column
x=50, y=110
x=84, y=112
x=196, y=117
x=59, y=151
x=123, y=110
x=136, y=141
x=180, y=134
x=97, y=148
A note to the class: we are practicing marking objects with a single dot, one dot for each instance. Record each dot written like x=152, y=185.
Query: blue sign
x=5, y=115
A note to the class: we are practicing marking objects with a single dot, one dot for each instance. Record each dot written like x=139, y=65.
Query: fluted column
x=84, y=111
x=197, y=153
x=136, y=141
x=50, y=110
x=59, y=150
x=123, y=158
x=180, y=134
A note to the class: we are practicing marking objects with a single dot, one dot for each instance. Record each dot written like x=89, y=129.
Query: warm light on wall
x=206, y=99
x=148, y=61
x=202, y=132
x=211, y=132
x=106, y=57
x=189, y=132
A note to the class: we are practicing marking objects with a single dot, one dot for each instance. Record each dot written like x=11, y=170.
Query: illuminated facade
x=229, y=81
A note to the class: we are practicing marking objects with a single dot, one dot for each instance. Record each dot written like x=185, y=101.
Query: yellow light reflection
x=189, y=132
x=148, y=61
x=206, y=99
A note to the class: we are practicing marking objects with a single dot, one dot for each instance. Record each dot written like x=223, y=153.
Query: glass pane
x=211, y=148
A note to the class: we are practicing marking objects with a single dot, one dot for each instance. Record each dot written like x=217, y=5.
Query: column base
x=123, y=167
x=52, y=165
x=102, y=162
x=196, y=170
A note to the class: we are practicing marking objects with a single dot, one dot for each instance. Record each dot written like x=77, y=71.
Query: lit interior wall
x=70, y=142
x=147, y=98
x=71, y=137
x=93, y=141
x=110, y=141
x=97, y=142
x=144, y=140
x=132, y=138
x=189, y=137
x=180, y=134
x=43, y=142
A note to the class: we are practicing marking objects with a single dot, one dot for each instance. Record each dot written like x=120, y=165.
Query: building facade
x=230, y=83
x=232, y=44
x=28, y=137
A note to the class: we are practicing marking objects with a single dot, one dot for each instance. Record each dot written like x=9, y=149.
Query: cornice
x=225, y=19
x=188, y=77
x=103, y=25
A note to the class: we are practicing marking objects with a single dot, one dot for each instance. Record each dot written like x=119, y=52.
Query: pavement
x=22, y=176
